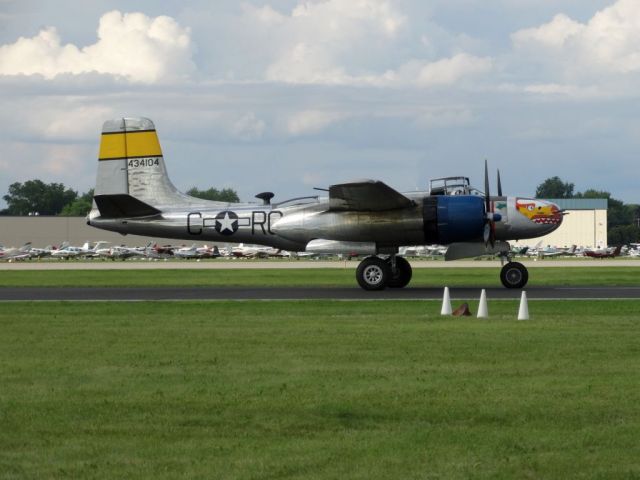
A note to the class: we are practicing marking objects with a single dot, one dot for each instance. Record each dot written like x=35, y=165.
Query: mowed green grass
x=422, y=277
x=310, y=390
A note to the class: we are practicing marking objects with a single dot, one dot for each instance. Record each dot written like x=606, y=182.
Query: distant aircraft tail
x=132, y=177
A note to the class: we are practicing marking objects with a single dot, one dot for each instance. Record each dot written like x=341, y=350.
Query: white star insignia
x=226, y=223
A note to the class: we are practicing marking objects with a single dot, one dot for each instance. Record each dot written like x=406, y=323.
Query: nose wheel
x=514, y=275
x=375, y=273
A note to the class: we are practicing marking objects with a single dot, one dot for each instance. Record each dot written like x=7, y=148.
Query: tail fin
x=130, y=163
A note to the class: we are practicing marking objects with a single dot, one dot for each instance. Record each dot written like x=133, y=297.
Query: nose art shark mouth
x=553, y=219
x=540, y=214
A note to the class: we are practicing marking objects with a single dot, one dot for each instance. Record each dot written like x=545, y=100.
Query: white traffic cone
x=523, y=312
x=446, y=302
x=483, y=311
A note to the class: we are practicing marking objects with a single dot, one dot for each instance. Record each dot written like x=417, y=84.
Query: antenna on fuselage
x=265, y=197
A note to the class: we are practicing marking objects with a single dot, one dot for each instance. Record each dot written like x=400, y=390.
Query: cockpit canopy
x=452, y=186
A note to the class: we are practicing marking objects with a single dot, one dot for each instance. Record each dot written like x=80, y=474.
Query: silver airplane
x=134, y=195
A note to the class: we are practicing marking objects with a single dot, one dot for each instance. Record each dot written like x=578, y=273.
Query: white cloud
x=564, y=90
x=449, y=70
x=61, y=160
x=311, y=121
x=249, y=127
x=131, y=45
x=320, y=42
x=305, y=63
x=444, y=118
x=339, y=42
x=608, y=44
x=551, y=35
x=335, y=15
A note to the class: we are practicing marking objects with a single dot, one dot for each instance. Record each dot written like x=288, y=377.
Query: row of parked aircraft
x=537, y=251
x=153, y=251
x=123, y=252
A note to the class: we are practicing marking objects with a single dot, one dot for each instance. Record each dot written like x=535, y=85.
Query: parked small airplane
x=186, y=252
x=162, y=251
x=604, y=252
x=15, y=253
x=553, y=252
x=41, y=252
x=256, y=251
x=134, y=195
x=68, y=252
x=123, y=252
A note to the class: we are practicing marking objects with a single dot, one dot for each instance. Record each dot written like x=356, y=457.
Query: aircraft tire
x=373, y=273
x=402, y=275
x=514, y=275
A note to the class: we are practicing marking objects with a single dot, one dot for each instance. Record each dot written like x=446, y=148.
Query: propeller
x=491, y=218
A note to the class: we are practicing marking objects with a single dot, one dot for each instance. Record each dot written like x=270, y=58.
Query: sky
x=287, y=95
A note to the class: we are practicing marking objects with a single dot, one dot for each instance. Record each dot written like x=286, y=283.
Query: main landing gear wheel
x=373, y=273
x=514, y=275
x=401, y=277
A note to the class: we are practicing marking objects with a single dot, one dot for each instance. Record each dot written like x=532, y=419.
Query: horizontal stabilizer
x=123, y=206
x=366, y=195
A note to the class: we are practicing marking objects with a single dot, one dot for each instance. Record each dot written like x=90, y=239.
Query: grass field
x=423, y=277
x=306, y=390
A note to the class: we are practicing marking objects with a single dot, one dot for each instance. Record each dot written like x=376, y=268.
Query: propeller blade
x=486, y=234
x=492, y=234
x=490, y=225
x=487, y=199
x=499, y=185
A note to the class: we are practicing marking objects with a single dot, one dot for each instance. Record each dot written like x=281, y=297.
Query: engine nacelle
x=440, y=220
x=453, y=218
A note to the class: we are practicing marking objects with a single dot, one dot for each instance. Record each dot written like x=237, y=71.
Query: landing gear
x=375, y=273
x=401, y=274
x=514, y=275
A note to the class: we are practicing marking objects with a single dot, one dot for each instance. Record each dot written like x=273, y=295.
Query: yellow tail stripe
x=129, y=144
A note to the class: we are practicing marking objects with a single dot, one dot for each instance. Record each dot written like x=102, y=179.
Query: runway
x=303, y=293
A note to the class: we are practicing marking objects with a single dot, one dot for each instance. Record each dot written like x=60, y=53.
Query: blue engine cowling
x=453, y=218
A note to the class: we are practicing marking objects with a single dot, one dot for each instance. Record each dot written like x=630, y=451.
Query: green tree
x=554, y=187
x=623, y=234
x=618, y=214
x=80, y=207
x=36, y=196
x=224, y=195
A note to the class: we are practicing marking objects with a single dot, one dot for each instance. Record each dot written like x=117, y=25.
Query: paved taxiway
x=304, y=293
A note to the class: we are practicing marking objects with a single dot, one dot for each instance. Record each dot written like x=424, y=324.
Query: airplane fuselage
x=293, y=227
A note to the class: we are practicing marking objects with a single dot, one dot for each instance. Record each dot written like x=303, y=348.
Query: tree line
x=34, y=197
x=623, y=220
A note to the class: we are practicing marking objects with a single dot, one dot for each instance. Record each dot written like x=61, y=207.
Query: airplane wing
x=366, y=195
